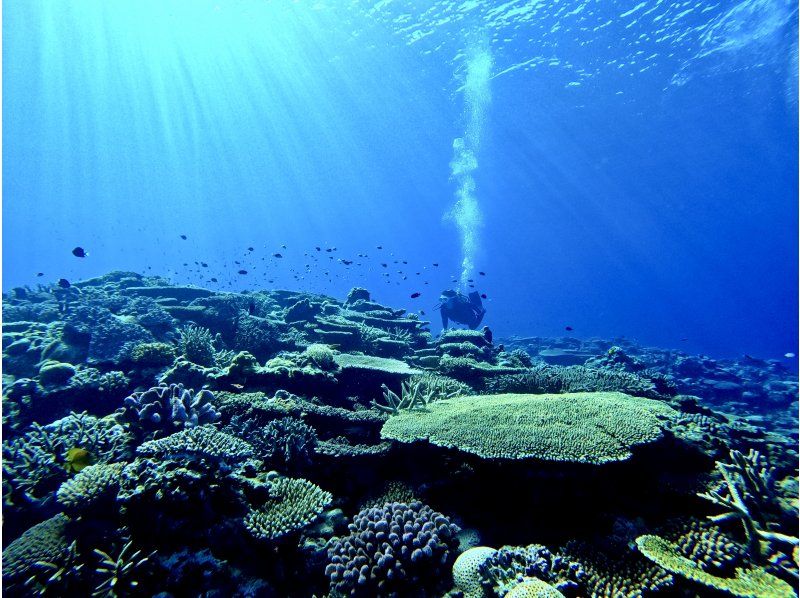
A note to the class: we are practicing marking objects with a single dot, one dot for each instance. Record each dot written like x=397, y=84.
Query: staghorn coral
x=746, y=581
x=165, y=409
x=292, y=505
x=578, y=427
x=35, y=464
x=418, y=391
x=119, y=575
x=748, y=491
x=396, y=549
x=391, y=491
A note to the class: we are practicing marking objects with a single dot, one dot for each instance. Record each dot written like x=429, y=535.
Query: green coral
x=293, y=504
x=578, y=427
x=55, y=373
x=203, y=442
x=35, y=465
x=534, y=588
x=750, y=582
x=90, y=485
x=45, y=542
x=322, y=356
x=749, y=494
x=380, y=364
x=153, y=354
x=197, y=345
x=619, y=571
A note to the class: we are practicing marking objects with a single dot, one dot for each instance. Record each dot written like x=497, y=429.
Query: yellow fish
x=77, y=459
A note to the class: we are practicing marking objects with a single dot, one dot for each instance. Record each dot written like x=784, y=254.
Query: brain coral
x=534, y=588
x=591, y=427
x=398, y=549
x=467, y=570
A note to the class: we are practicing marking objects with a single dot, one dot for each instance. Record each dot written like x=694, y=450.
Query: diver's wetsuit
x=464, y=310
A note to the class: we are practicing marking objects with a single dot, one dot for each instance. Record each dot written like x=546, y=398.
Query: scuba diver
x=460, y=308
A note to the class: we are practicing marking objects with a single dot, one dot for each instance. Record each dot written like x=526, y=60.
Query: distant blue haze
x=636, y=173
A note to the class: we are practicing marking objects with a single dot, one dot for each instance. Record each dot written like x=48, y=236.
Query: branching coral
x=165, y=409
x=748, y=492
x=293, y=504
x=197, y=345
x=118, y=575
x=395, y=549
x=36, y=464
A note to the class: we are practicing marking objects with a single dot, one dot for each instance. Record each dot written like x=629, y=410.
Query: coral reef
x=173, y=440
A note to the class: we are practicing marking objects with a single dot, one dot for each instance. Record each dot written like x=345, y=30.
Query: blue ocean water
x=622, y=168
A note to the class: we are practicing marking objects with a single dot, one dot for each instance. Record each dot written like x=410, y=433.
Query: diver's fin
x=475, y=298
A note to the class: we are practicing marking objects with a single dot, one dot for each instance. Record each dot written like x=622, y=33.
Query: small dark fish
x=283, y=246
x=470, y=280
x=250, y=249
x=684, y=339
x=40, y=274
x=214, y=280
x=379, y=247
x=422, y=312
x=483, y=295
x=204, y=264
x=276, y=255
x=568, y=328
x=385, y=265
x=183, y=237
x=437, y=265
x=415, y=295
x=482, y=273
x=79, y=252
x=318, y=248
x=64, y=283
x=237, y=263
x=242, y=271
x=346, y=262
